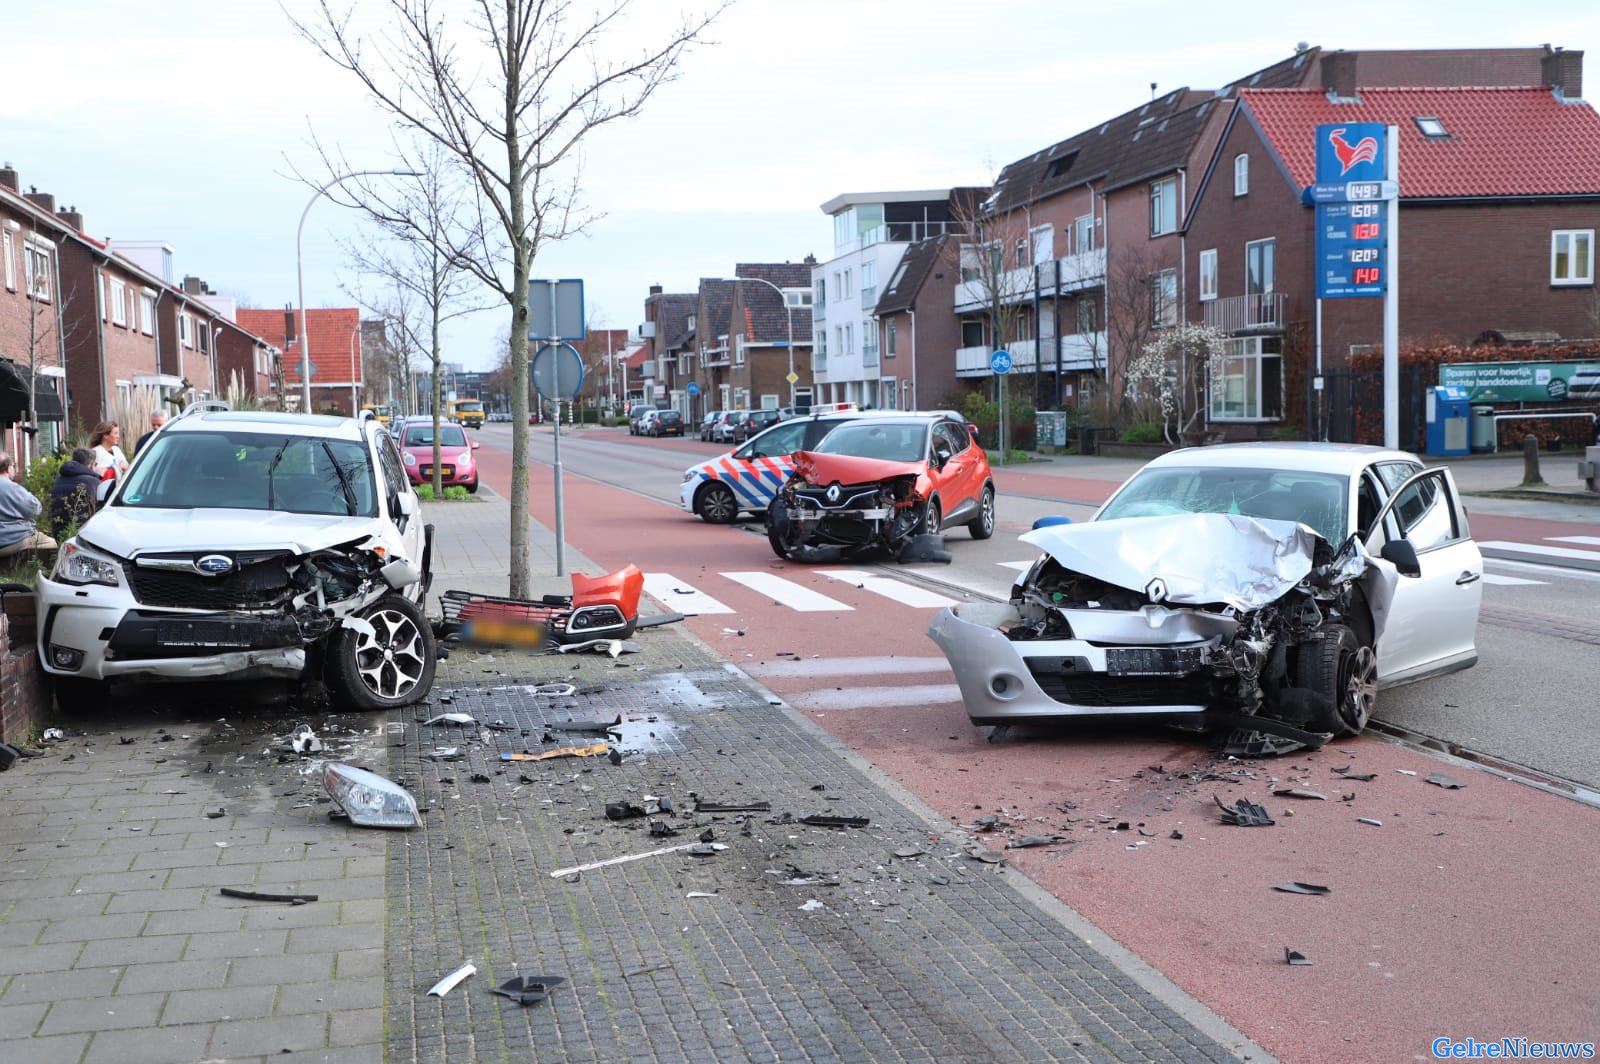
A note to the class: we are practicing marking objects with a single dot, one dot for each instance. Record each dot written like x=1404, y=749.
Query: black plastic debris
x=661, y=829
x=216, y=814
x=986, y=855
x=1449, y=783
x=1360, y=777
x=479, y=777
x=8, y=756
x=1176, y=834
x=702, y=806
x=622, y=811
x=1302, y=888
x=703, y=849
x=708, y=835
x=1030, y=841
x=1294, y=956
x=1244, y=813
x=614, y=756
x=989, y=823
x=819, y=820
x=1298, y=792
x=907, y=852
x=925, y=548
x=528, y=989
x=257, y=895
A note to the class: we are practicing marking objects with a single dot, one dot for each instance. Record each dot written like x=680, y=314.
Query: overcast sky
x=185, y=120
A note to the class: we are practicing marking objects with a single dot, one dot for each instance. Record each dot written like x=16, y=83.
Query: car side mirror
x=1403, y=556
x=408, y=503
x=476, y=445
x=941, y=455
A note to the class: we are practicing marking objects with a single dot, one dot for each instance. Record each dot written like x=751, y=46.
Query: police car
x=746, y=480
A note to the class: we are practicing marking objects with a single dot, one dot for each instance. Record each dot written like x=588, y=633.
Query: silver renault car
x=246, y=544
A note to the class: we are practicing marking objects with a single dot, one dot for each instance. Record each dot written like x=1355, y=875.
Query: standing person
x=18, y=511
x=72, y=496
x=107, y=455
x=158, y=418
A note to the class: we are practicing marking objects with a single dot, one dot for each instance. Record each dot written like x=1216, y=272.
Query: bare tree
x=1135, y=309
x=510, y=91
x=1179, y=365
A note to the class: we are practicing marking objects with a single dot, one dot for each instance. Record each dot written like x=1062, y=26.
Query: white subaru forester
x=246, y=544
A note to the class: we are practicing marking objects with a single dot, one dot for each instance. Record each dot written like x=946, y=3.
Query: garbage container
x=1483, y=431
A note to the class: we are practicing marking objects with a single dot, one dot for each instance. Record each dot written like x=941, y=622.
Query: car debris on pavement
x=451, y=981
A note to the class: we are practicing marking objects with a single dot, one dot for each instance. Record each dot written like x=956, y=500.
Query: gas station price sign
x=1351, y=240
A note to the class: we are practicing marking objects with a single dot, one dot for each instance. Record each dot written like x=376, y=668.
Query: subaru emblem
x=833, y=493
x=213, y=565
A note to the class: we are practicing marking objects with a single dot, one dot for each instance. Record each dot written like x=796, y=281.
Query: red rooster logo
x=1364, y=150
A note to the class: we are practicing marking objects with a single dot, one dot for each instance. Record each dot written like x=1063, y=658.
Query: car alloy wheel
x=387, y=662
x=933, y=519
x=716, y=504
x=982, y=526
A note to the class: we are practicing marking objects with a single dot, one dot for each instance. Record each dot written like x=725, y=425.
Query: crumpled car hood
x=125, y=531
x=822, y=469
x=1245, y=562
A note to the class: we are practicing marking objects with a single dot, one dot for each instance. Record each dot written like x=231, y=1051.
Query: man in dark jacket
x=72, y=496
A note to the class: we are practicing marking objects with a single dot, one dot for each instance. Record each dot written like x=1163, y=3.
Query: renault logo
x=213, y=565
x=833, y=493
x=1156, y=589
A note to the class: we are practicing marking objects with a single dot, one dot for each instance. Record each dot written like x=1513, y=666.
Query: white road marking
x=1539, y=548
x=875, y=697
x=680, y=597
x=1020, y=567
x=788, y=593
x=1587, y=541
x=807, y=667
x=890, y=588
x=1508, y=581
x=1551, y=571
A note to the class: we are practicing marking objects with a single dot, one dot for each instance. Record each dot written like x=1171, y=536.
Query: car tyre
x=932, y=518
x=391, y=667
x=79, y=695
x=473, y=487
x=716, y=505
x=1341, y=667
x=982, y=526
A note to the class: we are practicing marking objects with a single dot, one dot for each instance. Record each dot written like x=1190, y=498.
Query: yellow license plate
x=444, y=471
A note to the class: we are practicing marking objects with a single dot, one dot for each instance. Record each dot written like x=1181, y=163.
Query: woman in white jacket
x=108, y=455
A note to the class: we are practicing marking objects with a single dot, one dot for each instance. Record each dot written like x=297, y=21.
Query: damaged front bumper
x=1005, y=680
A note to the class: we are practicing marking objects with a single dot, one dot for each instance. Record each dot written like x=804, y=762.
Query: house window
x=738, y=350
x=1241, y=174
x=797, y=297
x=36, y=270
x=822, y=343
x=119, y=302
x=888, y=340
x=1086, y=317
x=1085, y=227
x=1260, y=267
x=869, y=343
x=1164, y=298
x=869, y=283
x=185, y=331
x=147, y=312
x=971, y=332
x=849, y=339
x=1022, y=253
x=1572, y=256
x=844, y=292
x=204, y=337
x=838, y=338
x=10, y=254
x=820, y=298
x=1249, y=386
x=1163, y=206
x=1430, y=126
x=1208, y=274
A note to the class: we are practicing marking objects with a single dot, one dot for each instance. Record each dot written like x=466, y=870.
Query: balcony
x=1248, y=314
x=1077, y=272
x=1080, y=351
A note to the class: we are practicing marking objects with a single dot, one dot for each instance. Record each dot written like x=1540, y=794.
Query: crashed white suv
x=248, y=544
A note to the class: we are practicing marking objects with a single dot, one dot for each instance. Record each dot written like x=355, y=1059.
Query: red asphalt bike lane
x=1467, y=913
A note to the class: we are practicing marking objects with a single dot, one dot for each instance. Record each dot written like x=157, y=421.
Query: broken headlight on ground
x=1214, y=615
x=369, y=800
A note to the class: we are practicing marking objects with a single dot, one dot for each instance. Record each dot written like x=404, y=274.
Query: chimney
x=810, y=259
x=71, y=216
x=1563, y=72
x=194, y=286
x=1339, y=74
x=655, y=289
x=9, y=179
x=43, y=200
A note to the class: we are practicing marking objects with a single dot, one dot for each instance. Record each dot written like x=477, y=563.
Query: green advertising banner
x=1525, y=382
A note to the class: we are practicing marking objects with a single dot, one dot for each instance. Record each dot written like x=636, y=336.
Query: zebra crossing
x=1532, y=564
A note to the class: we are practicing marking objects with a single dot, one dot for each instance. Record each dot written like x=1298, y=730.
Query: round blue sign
x=693, y=388
x=1000, y=361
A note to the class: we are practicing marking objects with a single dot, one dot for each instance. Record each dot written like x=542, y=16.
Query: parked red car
x=457, y=464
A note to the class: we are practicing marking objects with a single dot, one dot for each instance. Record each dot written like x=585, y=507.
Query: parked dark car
x=707, y=423
x=666, y=423
x=751, y=422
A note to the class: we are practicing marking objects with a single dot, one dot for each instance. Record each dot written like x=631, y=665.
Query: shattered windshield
x=253, y=471
x=907, y=442
x=1318, y=500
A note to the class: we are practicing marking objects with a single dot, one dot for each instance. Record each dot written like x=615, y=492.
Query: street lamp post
x=788, y=314
x=300, y=275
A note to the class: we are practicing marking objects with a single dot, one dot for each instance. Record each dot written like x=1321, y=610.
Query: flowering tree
x=1177, y=365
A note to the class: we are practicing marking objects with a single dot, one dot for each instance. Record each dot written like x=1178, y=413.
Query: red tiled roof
x=637, y=357
x=1502, y=141
x=335, y=343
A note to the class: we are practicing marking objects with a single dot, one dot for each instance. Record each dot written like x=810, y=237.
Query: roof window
x=1431, y=127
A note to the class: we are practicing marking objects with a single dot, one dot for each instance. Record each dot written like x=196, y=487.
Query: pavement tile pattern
x=882, y=958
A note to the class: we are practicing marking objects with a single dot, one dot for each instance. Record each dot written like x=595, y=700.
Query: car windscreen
x=422, y=436
x=253, y=471
x=1319, y=500
x=897, y=442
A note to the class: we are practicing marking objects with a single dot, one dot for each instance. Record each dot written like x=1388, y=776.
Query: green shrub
x=425, y=492
x=456, y=491
x=1143, y=432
